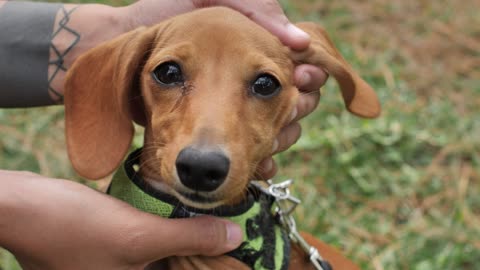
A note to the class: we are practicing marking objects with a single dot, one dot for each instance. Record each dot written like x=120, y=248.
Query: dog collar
x=265, y=244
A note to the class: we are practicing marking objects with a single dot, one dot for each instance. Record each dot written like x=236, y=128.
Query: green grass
x=398, y=192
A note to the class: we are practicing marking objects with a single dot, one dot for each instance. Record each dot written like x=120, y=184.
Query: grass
x=399, y=192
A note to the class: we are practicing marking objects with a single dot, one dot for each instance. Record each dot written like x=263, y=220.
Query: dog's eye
x=265, y=86
x=168, y=73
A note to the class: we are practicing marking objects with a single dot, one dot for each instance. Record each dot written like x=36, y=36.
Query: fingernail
x=275, y=146
x=234, y=234
x=293, y=114
x=297, y=32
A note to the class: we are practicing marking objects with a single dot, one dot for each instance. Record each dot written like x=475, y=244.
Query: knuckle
x=288, y=136
x=312, y=102
x=282, y=139
x=317, y=76
x=295, y=133
x=301, y=105
x=320, y=76
x=307, y=103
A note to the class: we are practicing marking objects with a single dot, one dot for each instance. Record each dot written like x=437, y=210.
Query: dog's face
x=216, y=89
x=215, y=95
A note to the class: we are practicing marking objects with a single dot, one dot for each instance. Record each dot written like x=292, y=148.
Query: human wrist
x=77, y=29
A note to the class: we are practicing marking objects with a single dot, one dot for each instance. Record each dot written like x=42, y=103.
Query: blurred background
x=398, y=192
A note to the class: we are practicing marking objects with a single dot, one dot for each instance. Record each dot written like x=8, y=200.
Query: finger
x=309, y=78
x=158, y=238
x=306, y=103
x=270, y=15
x=266, y=169
x=287, y=137
x=280, y=26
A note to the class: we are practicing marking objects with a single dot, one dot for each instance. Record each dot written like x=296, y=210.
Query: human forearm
x=25, y=203
x=5, y=209
x=13, y=207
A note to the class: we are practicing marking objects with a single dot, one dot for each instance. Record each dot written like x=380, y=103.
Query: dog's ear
x=98, y=92
x=359, y=97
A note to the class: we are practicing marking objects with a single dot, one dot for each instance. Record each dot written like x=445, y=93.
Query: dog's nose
x=202, y=170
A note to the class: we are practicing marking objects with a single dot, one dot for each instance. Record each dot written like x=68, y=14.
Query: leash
x=285, y=205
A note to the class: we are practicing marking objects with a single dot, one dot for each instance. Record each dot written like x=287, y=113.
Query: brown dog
x=216, y=88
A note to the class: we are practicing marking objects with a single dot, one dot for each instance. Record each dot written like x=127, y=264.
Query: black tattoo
x=58, y=62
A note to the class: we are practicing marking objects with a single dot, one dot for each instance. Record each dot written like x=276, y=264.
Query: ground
x=398, y=192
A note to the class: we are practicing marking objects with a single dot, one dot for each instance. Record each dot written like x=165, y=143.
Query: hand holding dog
x=58, y=224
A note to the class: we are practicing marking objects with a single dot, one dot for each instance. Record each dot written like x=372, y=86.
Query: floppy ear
x=98, y=91
x=359, y=97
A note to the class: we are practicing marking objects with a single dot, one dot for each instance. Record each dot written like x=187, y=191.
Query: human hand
x=267, y=13
x=57, y=224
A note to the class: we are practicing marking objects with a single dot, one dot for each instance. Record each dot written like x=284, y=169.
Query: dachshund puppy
x=215, y=90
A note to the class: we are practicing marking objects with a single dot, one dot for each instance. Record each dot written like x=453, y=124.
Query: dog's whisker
x=147, y=162
x=147, y=165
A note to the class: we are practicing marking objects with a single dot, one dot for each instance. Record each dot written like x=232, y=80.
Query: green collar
x=266, y=244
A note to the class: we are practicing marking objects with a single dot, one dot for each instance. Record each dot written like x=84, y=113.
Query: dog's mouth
x=198, y=198
x=192, y=199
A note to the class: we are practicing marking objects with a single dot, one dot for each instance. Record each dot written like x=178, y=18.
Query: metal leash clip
x=286, y=204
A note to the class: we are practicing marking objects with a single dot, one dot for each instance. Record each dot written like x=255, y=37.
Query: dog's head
x=215, y=89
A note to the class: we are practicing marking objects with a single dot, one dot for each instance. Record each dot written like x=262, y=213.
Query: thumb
x=204, y=235
x=269, y=14
x=289, y=34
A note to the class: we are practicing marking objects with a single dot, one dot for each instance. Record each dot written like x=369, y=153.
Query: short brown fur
x=220, y=52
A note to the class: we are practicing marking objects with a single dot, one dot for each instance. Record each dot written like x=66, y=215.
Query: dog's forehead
x=222, y=34
x=224, y=26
